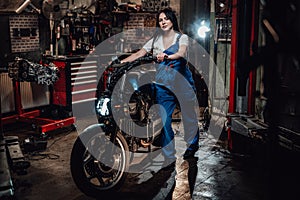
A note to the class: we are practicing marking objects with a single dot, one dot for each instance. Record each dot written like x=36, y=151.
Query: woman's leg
x=167, y=102
x=191, y=129
x=168, y=143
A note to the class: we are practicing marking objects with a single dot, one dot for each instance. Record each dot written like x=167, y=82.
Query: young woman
x=174, y=83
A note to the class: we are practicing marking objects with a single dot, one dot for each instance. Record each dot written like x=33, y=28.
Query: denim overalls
x=174, y=84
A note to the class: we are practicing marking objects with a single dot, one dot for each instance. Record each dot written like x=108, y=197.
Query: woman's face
x=164, y=22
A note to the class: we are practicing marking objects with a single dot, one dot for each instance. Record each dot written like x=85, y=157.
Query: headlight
x=103, y=106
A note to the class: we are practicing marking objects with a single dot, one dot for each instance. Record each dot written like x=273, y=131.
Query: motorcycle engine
x=24, y=70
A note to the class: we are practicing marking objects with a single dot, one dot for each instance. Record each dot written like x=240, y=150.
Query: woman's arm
x=134, y=56
x=181, y=53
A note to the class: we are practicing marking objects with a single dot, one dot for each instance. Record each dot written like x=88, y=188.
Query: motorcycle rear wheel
x=93, y=177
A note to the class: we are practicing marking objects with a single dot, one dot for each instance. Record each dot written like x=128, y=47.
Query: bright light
x=203, y=29
x=102, y=106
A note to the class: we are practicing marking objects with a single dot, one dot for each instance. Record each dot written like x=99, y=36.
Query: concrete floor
x=219, y=175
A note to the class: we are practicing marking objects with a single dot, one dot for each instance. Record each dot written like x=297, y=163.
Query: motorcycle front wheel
x=91, y=175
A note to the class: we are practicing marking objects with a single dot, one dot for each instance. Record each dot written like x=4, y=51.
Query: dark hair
x=170, y=15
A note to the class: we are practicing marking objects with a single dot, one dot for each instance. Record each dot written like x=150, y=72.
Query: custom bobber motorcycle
x=127, y=124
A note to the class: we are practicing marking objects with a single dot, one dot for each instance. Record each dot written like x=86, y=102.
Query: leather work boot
x=190, y=152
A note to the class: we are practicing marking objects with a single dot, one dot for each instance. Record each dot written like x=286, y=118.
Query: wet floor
x=215, y=174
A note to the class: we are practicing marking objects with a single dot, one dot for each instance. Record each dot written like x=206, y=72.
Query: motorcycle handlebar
x=121, y=68
x=148, y=58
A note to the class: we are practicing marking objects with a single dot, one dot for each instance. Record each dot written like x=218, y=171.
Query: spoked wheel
x=98, y=166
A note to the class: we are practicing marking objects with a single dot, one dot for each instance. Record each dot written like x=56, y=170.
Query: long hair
x=170, y=14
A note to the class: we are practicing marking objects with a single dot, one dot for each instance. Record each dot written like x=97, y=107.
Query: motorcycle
x=102, y=154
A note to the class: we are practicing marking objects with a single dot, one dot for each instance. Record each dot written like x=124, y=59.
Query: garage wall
x=6, y=92
x=13, y=45
x=174, y=4
x=32, y=94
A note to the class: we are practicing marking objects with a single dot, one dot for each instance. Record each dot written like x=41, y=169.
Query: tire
x=91, y=175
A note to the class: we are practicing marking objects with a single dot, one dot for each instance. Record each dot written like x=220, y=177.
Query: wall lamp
x=203, y=29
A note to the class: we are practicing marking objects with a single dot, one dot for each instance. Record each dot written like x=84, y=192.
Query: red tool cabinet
x=78, y=78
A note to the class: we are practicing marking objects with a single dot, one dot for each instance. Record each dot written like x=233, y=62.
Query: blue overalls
x=175, y=85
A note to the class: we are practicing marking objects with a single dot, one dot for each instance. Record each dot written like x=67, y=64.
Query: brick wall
x=175, y=4
x=24, y=33
x=138, y=30
x=140, y=26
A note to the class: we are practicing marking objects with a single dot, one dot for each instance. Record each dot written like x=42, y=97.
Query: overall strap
x=154, y=38
x=177, y=41
x=178, y=38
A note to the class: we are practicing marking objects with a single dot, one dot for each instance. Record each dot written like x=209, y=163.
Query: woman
x=174, y=83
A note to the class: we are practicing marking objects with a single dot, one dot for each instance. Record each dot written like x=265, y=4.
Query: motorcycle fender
x=138, y=79
x=94, y=128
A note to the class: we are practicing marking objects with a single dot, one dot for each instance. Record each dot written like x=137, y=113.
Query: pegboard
x=154, y=5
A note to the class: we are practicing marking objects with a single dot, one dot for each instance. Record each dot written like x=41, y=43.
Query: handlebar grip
x=117, y=63
x=148, y=58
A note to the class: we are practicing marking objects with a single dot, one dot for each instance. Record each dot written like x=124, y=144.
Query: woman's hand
x=161, y=57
